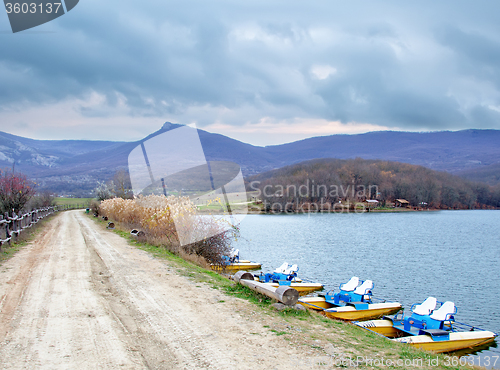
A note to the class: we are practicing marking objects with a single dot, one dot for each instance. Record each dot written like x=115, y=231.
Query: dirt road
x=80, y=297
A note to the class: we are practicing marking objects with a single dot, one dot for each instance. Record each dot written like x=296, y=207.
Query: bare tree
x=122, y=184
x=15, y=191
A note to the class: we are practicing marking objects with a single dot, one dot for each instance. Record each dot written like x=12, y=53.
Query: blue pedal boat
x=286, y=274
x=431, y=328
x=354, y=301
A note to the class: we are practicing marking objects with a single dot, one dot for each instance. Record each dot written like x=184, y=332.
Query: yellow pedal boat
x=352, y=303
x=286, y=274
x=432, y=330
x=300, y=286
x=238, y=266
x=352, y=311
x=233, y=263
x=427, y=341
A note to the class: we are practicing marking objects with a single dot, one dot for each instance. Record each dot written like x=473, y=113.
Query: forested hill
x=328, y=180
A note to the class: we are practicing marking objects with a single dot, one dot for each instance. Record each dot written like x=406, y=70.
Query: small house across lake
x=402, y=203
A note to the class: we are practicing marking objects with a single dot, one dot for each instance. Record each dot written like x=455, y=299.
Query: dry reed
x=156, y=216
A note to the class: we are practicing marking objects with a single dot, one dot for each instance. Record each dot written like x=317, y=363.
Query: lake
x=451, y=255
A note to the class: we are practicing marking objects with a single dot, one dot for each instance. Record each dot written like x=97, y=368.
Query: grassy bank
x=73, y=202
x=332, y=344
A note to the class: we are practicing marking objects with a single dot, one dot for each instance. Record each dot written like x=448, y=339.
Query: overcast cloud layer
x=264, y=72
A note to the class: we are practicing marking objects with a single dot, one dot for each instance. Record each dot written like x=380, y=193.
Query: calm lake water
x=451, y=255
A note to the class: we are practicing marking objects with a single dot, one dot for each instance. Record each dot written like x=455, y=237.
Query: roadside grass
x=81, y=202
x=210, y=207
x=218, y=208
x=27, y=235
x=337, y=344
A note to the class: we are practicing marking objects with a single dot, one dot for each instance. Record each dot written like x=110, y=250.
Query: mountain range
x=75, y=166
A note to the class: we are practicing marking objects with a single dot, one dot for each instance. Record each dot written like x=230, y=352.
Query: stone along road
x=80, y=297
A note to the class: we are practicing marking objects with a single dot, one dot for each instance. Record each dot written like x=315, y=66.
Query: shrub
x=94, y=207
x=41, y=200
x=160, y=217
x=15, y=191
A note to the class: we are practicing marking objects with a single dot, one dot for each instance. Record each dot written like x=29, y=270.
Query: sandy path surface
x=80, y=297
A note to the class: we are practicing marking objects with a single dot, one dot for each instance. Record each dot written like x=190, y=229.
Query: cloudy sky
x=264, y=72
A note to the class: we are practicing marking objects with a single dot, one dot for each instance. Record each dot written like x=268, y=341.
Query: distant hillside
x=326, y=181
x=489, y=174
x=442, y=151
x=75, y=166
x=68, y=166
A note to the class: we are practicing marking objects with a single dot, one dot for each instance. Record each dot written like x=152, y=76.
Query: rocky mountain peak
x=167, y=126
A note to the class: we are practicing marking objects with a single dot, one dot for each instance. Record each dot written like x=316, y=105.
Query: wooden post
x=284, y=294
x=12, y=227
x=1, y=238
x=7, y=225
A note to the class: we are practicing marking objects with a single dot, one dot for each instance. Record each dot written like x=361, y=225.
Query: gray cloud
x=477, y=54
x=423, y=65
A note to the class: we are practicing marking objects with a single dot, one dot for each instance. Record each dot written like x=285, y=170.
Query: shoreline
x=253, y=212
x=329, y=341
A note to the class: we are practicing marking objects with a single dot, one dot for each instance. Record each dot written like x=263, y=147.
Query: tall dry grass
x=155, y=215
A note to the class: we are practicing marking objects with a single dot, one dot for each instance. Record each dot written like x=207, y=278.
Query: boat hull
x=315, y=303
x=384, y=327
x=238, y=266
x=457, y=341
x=302, y=288
x=348, y=312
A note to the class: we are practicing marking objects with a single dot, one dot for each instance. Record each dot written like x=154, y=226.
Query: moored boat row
x=431, y=325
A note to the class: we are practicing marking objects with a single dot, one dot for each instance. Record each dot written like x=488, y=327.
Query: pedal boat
x=286, y=275
x=233, y=263
x=352, y=303
x=431, y=329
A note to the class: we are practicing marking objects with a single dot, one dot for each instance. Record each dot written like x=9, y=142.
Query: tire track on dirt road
x=135, y=298
x=12, y=297
x=58, y=322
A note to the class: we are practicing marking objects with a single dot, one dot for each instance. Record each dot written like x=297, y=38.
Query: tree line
x=328, y=181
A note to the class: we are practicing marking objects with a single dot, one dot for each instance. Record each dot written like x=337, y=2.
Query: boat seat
x=291, y=269
x=437, y=335
x=364, y=288
x=282, y=268
x=435, y=332
x=426, y=307
x=350, y=285
x=359, y=305
x=444, y=312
